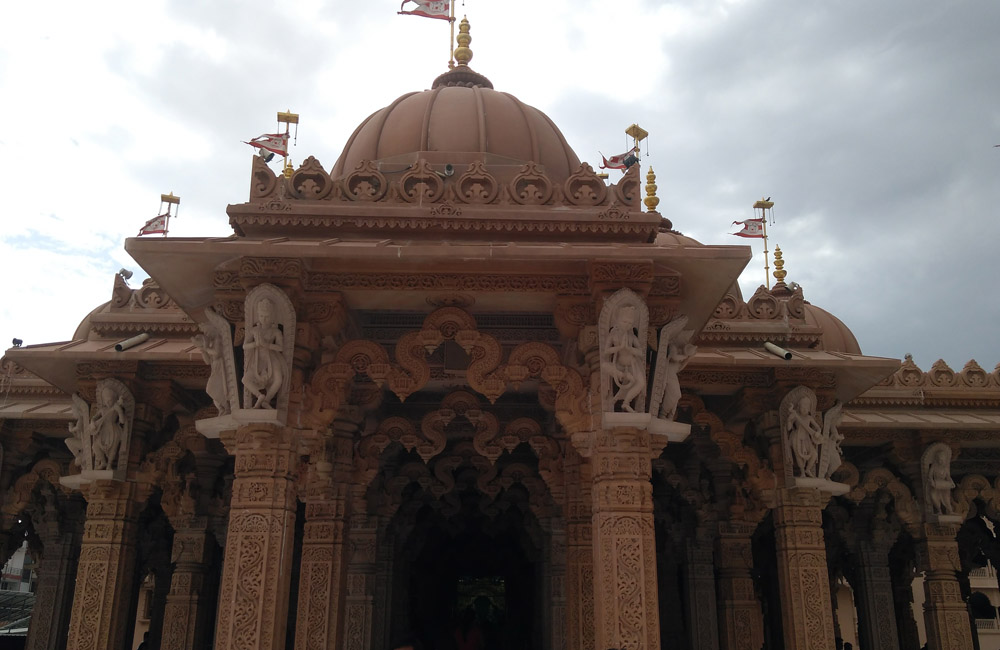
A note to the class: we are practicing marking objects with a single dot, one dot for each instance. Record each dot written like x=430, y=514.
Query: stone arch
x=882, y=480
x=485, y=373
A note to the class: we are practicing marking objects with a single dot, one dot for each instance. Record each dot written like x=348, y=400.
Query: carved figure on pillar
x=623, y=323
x=100, y=441
x=800, y=424
x=814, y=448
x=935, y=466
x=673, y=353
x=267, y=348
x=216, y=344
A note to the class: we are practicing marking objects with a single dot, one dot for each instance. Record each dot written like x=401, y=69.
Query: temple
x=460, y=379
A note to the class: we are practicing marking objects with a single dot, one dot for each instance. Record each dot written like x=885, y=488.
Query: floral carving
x=263, y=182
x=585, y=187
x=530, y=186
x=421, y=184
x=365, y=183
x=477, y=185
x=310, y=181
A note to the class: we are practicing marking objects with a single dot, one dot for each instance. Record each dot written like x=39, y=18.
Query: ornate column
x=360, y=574
x=555, y=586
x=579, y=577
x=323, y=567
x=741, y=621
x=699, y=571
x=256, y=578
x=806, y=608
x=185, y=616
x=877, y=616
x=104, y=577
x=55, y=571
x=625, y=613
x=945, y=615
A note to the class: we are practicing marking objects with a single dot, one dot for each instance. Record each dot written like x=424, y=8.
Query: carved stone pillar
x=104, y=577
x=876, y=613
x=806, y=608
x=625, y=612
x=945, y=615
x=741, y=621
x=323, y=568
x=186, y=616
x=360, y=575
x=579, y=584
x=699, y=571
x=256, y=577
x=555, y=588
x=53, y=591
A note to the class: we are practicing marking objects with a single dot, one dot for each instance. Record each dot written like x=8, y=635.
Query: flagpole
x=764, y=205
x=451, y=40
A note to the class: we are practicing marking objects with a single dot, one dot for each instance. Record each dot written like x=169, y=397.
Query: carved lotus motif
x=584, y=187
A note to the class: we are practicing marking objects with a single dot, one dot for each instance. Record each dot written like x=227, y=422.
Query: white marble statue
x=813, y=444
x=935, y=465
x=622, y=337
x=673, y=353
x=267, y=348
x=100, y=439
x=215, y=343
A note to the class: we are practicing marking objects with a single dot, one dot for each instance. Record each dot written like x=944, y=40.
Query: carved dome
x=461, y=119
x=837, y=337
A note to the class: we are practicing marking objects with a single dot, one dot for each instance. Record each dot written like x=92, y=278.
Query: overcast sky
x=870, y=124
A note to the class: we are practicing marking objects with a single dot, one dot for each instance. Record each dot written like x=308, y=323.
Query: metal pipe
x=778, y=352
x=132, y=342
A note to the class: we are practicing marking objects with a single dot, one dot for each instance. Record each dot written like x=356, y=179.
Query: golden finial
x=651, y=199
x=288, y=170
x=779, y=269
x=462, y=53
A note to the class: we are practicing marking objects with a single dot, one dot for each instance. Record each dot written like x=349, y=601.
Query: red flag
x=751, y=228
x=617, y=162
x=429, y=9
x=154, y=226
x=273, y=142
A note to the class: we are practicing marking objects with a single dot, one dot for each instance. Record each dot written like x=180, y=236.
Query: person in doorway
x=144, y=644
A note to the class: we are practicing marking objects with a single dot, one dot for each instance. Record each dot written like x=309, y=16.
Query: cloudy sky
x=870, y=124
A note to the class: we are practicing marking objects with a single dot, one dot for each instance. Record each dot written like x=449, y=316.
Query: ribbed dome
x=837, y=337
x=476, y=121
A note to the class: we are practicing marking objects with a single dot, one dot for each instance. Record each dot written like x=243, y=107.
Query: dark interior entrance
x=473, y=576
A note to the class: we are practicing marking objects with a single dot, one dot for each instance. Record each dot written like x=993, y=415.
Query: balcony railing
x=987, y=624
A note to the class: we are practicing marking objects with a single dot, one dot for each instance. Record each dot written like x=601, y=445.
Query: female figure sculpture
x=265, y=362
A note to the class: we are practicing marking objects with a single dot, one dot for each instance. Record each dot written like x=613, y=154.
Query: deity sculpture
x=673, y=353
x=938, y=484
x=216, y=348
x=814, y=448
x=264, y=353
x=98, y=440
x=624, y=359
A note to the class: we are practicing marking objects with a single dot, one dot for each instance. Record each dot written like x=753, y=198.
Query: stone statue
x=100, y=441
x=265, y=362
x=801, y=427
x=814, y=449
x=935, y=466
x=830, y=452
x=624, y=357
x=673, y=352
x=216, y=346
x=267, y=348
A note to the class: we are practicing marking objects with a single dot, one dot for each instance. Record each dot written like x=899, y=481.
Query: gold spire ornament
x=462, y=53
x=651, y=199
x=779, y=269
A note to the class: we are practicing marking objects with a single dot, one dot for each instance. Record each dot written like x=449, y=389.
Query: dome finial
x=779, y=269
x=651, y=199
x=462, y=53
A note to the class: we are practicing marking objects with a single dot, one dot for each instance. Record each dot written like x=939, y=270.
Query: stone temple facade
x=461, y=371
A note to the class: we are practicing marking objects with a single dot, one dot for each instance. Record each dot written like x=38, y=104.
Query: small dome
x=836, y=336
x=472, y=119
